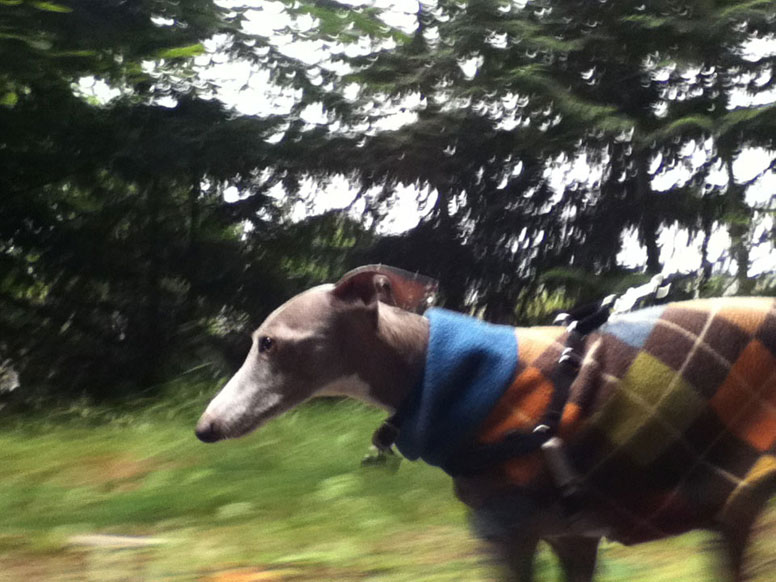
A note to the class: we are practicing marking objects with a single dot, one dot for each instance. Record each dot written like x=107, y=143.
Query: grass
x=287, y=503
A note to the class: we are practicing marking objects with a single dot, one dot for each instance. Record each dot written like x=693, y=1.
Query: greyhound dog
x=664, y=421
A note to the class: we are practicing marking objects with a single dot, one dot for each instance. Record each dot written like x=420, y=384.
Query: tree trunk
x=649, y=226
x=152, y=334
x=706, y=266
x=649, y=231
x=193, y=246
x=739, y=220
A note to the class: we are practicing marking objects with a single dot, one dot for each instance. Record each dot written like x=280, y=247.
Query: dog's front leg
x=515, y=557
x=577, y=556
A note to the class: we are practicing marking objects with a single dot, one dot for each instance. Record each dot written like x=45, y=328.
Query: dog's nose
x=207, y=431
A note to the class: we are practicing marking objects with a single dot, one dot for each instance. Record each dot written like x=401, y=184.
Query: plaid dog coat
x=671, y=421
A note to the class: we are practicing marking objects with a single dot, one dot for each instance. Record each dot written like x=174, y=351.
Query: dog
x=657, y=422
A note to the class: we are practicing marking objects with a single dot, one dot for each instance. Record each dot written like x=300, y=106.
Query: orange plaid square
x=745, y=401
x=521, y=407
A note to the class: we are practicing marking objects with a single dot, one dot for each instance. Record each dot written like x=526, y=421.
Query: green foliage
x=141, y=471
x=51, y=7
x=619, y=85
x=9, y=99
x=289, y=502
x=119, y=255
x=182, y=52
x=121, y=264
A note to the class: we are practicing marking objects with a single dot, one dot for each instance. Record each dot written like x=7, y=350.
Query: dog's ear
x=390, y=285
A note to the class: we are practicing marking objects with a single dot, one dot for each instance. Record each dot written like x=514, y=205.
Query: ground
x=289, y=503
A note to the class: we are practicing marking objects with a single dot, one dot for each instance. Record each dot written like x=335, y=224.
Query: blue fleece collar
x=469, y=365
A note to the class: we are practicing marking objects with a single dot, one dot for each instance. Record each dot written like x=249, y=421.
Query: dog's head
x=301, y=349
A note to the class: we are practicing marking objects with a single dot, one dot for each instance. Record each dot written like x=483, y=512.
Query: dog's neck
x=391, y=361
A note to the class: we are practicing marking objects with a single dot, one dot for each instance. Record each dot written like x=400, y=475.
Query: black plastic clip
x=571, y=358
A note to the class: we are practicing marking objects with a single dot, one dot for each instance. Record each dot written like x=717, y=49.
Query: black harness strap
x=478, y=458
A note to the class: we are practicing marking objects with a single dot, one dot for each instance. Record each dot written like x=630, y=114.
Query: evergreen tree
x=121, y=261
x=534, y=132
x=509, y=93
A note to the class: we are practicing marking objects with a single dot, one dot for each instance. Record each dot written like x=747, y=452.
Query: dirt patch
x=61, y=568
x=248, y=575
x=111, y=473
x=307, y=574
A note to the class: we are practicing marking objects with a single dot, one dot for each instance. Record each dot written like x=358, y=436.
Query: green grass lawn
x=287, y=503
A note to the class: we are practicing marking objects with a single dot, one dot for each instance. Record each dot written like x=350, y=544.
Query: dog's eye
x=265, y=344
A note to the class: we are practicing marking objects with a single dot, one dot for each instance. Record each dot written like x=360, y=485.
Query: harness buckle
x=566, y=478
x=571, y=357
